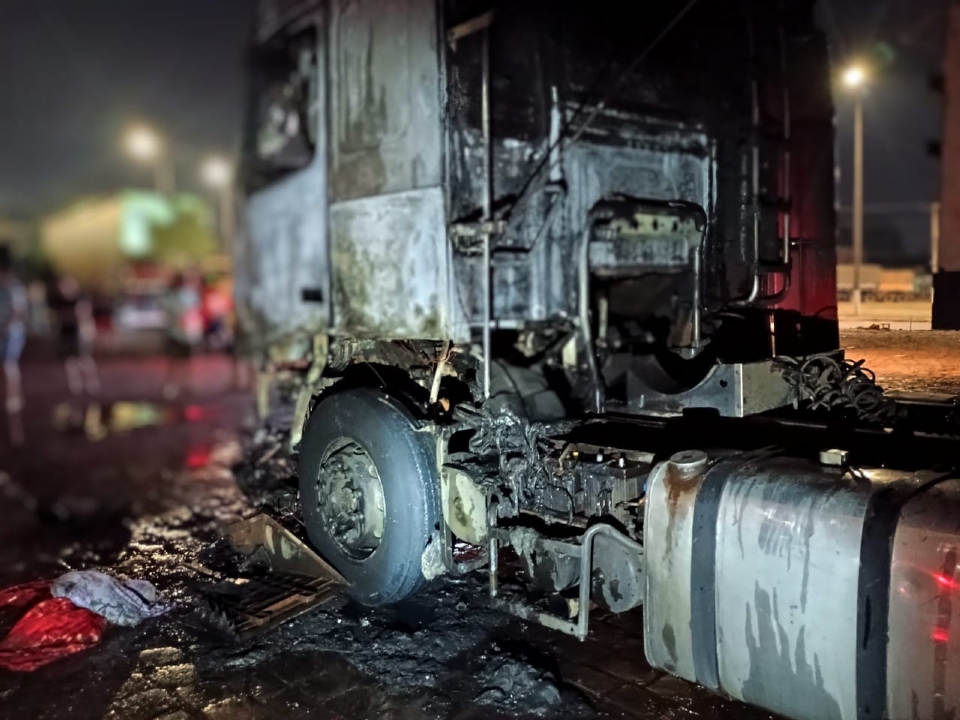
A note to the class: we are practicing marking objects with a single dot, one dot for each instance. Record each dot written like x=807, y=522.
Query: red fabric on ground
x=25, y=594
x=49, y=631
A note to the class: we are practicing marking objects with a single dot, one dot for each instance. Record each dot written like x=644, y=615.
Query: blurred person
x=182, y=304
x=220, y=318
x=13, y=333
x=217, y=307
x=76, y=332
x=39, y=323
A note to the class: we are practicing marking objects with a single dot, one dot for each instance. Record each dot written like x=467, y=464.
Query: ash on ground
x=446, y=641
x=268, y=474
x=122, y=505
x=444, y=645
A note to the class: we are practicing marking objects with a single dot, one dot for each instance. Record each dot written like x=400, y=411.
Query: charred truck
x=498, y=259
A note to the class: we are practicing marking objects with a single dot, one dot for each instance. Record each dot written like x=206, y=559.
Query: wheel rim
x=350, y=499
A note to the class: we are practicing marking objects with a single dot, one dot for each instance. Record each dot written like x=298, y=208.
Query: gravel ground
x=909, y=361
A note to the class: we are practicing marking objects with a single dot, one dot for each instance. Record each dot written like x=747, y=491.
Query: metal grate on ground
x=270, y=599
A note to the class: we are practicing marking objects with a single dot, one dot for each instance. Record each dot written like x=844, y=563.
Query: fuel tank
x=811, y=589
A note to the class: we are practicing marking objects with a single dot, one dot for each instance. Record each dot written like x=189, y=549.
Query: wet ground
x=141, y=488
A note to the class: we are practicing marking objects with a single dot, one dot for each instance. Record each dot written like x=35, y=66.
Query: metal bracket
x=454, y=568
x=471, y=26
x=312, y=385
x=477, y=230
x=578, y=629
x=284, y=551
x=472, y=239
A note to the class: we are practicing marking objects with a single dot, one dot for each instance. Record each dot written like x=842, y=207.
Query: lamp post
x=855, y=78
x=146, y=146
x=217, y=174
x=934, y=238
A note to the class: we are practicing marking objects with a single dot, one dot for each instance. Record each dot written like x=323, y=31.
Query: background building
x=104, y=241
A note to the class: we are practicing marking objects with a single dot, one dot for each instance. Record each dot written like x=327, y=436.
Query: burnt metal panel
x=669, y=532
x=385, y=97
x=285, y=252
x=768, y=579
x=923, y=653
x=391, y=268
x=698, y=81
x=664, y=243
x=676, y=164
x=732, y=389
x=275, y=15
x=654, y=138
x=537, y=279
x=812, y=327
x=787, y=569
x=282, y=269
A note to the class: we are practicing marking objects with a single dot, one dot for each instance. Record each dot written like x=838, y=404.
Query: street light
x=854, y=76
x=217, y=173
x=855, y=79
x=146, y=146
x=143, y=144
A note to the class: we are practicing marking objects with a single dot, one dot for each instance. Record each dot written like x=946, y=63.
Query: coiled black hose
x=826, y=383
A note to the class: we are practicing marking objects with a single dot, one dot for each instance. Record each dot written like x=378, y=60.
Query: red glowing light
x=193, y=413
x=945, y=582
x=198, y=458
x=940, y=635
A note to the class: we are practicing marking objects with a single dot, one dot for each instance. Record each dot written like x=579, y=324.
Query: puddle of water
x=99, y=420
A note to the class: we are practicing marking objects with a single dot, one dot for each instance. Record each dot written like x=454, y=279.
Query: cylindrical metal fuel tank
x=814, y=591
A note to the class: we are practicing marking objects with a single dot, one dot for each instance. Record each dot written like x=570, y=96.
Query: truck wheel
x=369, y=489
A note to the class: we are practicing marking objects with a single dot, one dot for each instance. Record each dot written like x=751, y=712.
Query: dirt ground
x=917, y=311
x=908, y=361
x=141, y=488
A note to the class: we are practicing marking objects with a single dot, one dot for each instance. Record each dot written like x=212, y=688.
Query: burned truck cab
x=489, y=245
x=642, y=211
x=473, y=230
x=641, y=188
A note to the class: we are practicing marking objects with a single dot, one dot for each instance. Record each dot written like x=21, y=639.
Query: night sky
x=75, y=73
x=904, y=40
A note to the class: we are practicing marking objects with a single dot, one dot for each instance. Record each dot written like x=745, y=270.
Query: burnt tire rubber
x=405, y=458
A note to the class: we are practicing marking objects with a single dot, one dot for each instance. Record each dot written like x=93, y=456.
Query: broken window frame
x=288, y=62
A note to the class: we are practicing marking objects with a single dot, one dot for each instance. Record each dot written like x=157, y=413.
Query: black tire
x=405, y=459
